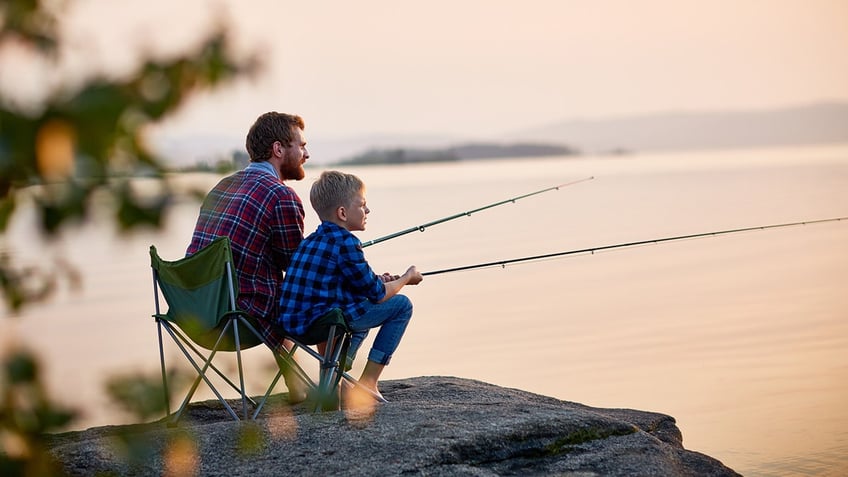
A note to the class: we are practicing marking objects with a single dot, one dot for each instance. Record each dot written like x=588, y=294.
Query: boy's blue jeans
x=391, y=316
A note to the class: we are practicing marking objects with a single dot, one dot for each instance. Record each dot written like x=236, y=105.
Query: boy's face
x=356, y=212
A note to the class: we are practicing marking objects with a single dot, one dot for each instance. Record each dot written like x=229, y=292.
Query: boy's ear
x=341, y=213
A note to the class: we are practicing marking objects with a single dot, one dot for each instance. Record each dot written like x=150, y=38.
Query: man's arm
x=287, y=230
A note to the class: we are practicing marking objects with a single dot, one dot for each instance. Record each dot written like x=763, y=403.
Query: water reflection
x=742, y=338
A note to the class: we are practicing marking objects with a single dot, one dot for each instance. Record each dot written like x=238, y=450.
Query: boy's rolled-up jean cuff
x=379, y=357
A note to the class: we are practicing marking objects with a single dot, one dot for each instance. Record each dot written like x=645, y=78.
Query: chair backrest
x=201, y=292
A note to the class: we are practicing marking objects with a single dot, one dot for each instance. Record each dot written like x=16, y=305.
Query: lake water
x=743, y=338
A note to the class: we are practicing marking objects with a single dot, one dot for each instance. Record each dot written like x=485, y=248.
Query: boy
x=329, y=270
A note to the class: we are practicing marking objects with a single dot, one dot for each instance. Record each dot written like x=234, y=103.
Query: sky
x=479, y=68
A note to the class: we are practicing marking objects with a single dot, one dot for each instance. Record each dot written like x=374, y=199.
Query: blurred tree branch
x=83, y=138
x=89, y=137
x=26, y=414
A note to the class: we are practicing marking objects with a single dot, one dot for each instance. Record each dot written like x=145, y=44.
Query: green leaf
x=21, y=368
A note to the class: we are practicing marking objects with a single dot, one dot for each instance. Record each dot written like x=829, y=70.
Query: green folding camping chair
x=201, y=293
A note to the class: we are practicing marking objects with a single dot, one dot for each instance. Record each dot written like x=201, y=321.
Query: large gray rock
x=431, y=426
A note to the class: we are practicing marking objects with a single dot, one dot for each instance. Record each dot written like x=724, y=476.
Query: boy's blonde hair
x=332, y=190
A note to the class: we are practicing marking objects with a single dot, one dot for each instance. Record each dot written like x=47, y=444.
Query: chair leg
x=331, y=372
x=325, y=400
x=167, y=395
x=287, y=359
x=202, y=357
x=267, y=393
x=201, y=375
x=283, y=359
x=242, y=391
x=161, y=347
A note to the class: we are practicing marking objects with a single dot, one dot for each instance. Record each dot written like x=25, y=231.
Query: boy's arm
x=411, y=277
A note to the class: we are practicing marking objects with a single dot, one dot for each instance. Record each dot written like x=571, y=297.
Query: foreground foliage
x=89, y=137
x=80, y=139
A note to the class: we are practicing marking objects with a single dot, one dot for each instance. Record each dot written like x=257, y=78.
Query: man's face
x=294, y=156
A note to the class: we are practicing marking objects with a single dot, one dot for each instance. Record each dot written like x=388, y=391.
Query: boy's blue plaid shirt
x=327, y=271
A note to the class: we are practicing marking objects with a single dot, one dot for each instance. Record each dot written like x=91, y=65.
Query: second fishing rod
x=593, y=250
x=423, y=227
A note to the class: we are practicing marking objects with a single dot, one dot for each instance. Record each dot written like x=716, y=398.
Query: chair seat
x=207, y=338
x=320, y=329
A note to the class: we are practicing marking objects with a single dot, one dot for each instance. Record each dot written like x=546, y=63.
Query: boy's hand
x=413, y=276
x=388, y=277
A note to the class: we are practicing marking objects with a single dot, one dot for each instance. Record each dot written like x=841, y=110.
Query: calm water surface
x=742, y=338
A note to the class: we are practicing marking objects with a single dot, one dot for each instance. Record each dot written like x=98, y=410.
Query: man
x=263, y=219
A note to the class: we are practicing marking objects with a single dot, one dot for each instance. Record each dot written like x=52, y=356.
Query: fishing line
x=504, y=263
x=423, y=227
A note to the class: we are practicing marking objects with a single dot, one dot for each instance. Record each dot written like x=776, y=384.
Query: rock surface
x=431, y=426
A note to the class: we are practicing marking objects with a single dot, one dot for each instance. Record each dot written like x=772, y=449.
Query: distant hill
x=813, y=124
x=824, y=123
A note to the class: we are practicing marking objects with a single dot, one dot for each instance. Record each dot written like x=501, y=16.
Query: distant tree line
x=457, y=153
x=237, y=160
x=400, y=156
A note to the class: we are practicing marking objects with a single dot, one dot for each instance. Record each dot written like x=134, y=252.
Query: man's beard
x=292, y=171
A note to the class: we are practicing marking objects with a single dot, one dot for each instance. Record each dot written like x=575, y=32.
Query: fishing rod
x=422, y=227
x=504, y=263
